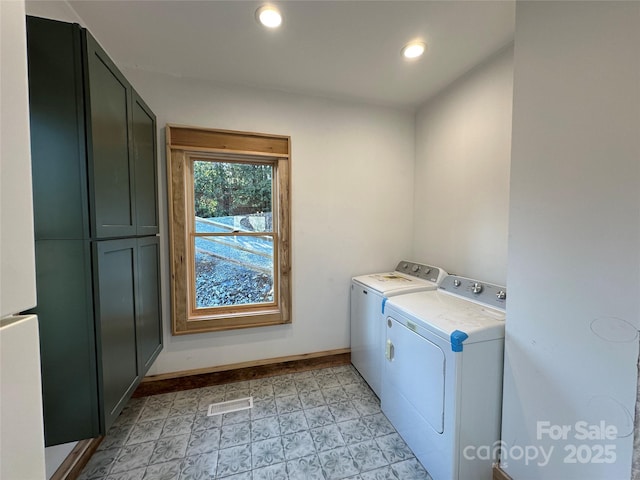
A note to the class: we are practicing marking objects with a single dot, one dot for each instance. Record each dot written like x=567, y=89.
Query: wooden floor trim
x=186, y=380
x=72, y=466
x=498, y=474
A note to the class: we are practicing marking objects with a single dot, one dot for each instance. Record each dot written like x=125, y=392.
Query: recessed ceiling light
x=413, y=50
x=269, y=16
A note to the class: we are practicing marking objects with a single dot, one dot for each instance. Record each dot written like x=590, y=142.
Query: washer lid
x=444, y=314
x=391, y=283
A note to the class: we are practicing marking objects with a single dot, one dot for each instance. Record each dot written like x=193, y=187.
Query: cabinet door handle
x=389, y=350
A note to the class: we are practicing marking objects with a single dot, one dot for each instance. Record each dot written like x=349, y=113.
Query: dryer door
x=413, y=380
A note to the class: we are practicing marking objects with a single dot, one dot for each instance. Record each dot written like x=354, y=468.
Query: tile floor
x=321, y=424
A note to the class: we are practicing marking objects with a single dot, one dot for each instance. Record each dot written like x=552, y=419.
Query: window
x=229, y=218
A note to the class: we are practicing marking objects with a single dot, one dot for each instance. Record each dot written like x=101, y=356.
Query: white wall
x=55, y=455
x=574, y=247
x=463, y=152
x=53, y=9
x=352, y=169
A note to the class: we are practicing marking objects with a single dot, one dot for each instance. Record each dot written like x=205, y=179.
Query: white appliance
x=21, y=428
x=442, y=377
x=368, y=297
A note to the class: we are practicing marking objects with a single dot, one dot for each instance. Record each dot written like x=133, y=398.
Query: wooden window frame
x=184, y=145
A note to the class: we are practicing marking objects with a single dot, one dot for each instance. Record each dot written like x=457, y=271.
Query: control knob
x=476, y=288
x=427, y=270
x=501, y=295
x=415, y=268
x=456, y=283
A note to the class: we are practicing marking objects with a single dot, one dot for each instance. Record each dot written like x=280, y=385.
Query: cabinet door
x=110, y=165
x=56, y=105
x=144, y=155
x=148, y=313
x=115, y=291
x=67, y=340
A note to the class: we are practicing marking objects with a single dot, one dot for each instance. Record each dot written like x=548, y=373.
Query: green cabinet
x=56, y=105
x=94, y=167
x=148, y=329
x=144, y=160
x=67, y=340
x=127, y=306
x=115, y=310
x=111, y=168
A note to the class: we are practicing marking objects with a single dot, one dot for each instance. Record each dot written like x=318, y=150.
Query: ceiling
x=348, y=50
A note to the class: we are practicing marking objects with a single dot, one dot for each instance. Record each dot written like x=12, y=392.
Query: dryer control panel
x=478, y=291
x=419, y=270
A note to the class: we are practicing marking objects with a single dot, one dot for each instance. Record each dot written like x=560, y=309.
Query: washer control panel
x=419, y=270
x=487, y=293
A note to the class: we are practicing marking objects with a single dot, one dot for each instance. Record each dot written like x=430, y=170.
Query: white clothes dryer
x=368, y=297
x=442, y=378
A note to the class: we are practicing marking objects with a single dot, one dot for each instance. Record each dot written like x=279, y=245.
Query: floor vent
x=230, y=406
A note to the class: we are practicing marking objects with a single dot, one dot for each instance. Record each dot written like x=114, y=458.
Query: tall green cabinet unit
x=94, y=151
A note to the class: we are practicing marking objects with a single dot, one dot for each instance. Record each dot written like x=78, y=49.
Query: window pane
x=235, y=270
x=231, y=196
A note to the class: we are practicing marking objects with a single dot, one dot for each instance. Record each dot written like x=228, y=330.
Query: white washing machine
x=442, y=376
x=368, y=297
